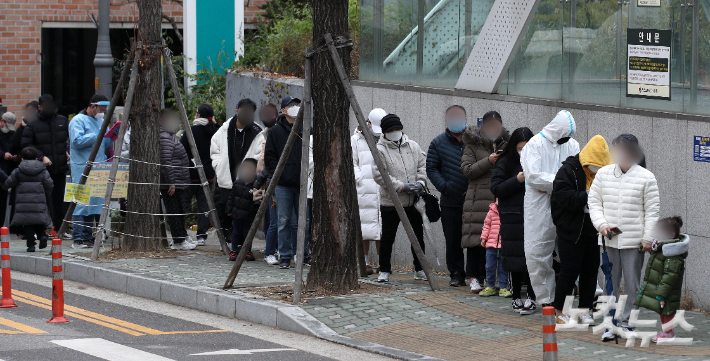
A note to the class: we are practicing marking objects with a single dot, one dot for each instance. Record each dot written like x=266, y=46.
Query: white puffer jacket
x=628, y=200
x=219, y=153
x=368, y=191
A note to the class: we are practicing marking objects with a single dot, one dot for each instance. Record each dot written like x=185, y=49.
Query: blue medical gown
x=83, y=131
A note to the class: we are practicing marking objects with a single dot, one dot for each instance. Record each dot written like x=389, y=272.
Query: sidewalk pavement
x=452, y=324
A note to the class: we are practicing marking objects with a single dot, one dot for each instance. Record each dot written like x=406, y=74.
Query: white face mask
x=99, y=116
x=5, y=129
x=293, y=111
x=394, y=136
x=593, y=168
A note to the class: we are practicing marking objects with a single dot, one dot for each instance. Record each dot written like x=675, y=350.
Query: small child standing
x=490, y=240
x=32, y=185
x=661, y=290
x=242, y=206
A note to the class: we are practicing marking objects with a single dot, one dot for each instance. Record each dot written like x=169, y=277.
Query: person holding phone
x=624, y=205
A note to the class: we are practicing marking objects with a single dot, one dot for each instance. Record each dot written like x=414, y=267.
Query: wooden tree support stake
x=378, y=161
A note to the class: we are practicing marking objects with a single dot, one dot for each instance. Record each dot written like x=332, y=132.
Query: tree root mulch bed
x=285, y=293
x=116, y=254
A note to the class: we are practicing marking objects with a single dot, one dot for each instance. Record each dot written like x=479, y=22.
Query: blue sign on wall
x=701, y=149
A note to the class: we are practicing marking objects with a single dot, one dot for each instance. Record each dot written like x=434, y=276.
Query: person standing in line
x=577, y=237
x=490, y=240
x=49, y=134
x=443, y=167
x=541, y=158
x=368, y=192
x=203, y=128
x=29, y=114
x=83, y=131
x=7, y=160
x=243, y=205
x=405, y=164
x=268, y=115
x=508, y=185
x=288, y=187
x=483, y=147
x=624, y=197
x=174, y=178
x=238, y=138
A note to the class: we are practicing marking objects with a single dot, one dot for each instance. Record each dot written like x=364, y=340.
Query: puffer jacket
x=511, y=200
x=491, y=228
x=568, y=202
x=248, y=145
x=443, y=167
x=478, y=169
x=663, y=279
x=173, y=153
x=33, y=184
x=368, y=191
x=405, y=163
x=628, y=200
x=49, y=136
x=241, y=203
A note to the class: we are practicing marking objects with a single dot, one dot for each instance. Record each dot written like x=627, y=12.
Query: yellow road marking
x=99, y=319
x=18, y=326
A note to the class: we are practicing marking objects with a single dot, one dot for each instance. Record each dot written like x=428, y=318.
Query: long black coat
x=203, y=136
x=511, y=199
x=275, y=144
x=49, y=136
x=32, y=183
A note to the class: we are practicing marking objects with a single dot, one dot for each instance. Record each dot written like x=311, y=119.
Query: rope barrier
x=149, y=214
x=144, y=162
x=150, y=184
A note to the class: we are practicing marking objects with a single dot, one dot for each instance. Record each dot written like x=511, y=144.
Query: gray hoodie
x=405, y=163
x=32, y=183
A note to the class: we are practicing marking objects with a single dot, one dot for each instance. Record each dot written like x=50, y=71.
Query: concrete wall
x=666, y=137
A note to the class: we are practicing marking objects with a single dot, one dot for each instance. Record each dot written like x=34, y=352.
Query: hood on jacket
x=472, y=135
x=493, y=207
x=200, y=121
x=31, y=167
x=392, y=144
x=677, y=248
x=561, y=126
x=595, y=153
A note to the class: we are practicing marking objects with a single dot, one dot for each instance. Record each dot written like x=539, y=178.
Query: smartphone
x=615, y=232
x=499, y=151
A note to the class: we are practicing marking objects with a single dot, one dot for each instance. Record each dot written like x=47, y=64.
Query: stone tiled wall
x=667, y=140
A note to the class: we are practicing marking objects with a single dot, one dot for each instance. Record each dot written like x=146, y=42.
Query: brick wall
x=252, y=12
x=20, y=29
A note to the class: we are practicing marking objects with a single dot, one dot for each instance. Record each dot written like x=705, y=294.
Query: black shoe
x=457, y=282
x=31, y=249
x=43, y=243
x=285, y=264
x=307, y=262
x=233, y=255
x=250, y=257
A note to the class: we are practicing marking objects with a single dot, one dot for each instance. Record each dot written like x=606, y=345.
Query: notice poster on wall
x=648, y=3
x=648, y=67
x=701, y=149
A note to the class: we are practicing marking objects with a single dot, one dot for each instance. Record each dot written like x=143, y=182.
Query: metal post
x=378, y=29
x=103, y=62
x=195, y=153
x=694, y=55
x=620, y=51
x=468, y=33
x=421, y=7
x=97, y=144
x=303, y=195
x=370, y=139
x=571, y=48
x=268, y=195
x=114, y=165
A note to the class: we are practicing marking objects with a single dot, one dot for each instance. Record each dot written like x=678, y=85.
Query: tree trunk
x=145, y=141
x=334, y=194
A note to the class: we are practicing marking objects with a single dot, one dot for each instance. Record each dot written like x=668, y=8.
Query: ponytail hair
x=672, y=224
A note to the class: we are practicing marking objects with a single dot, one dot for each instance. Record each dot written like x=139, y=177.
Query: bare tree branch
x=174, y=25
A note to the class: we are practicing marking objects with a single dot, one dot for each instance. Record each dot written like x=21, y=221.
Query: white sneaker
x=191, y=240
x=384, y=277
x=562, y=320
x=420, y=276
x=608, y=336
x=272, y=260
x=67, y=236
x=200, y=241
x=184, y=246
x=475, y=286
x=586, y=318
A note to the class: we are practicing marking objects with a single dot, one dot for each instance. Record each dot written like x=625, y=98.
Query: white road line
x=235, y=351
x=108, y=350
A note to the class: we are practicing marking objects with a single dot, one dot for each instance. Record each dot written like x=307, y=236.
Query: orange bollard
x=6, y=301
x=57, y=283
x=53, y=233
x=549, y=335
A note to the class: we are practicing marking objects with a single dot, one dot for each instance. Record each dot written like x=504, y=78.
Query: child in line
x=661, y=290
x=490, y=240
x=242, y=206
x=32, y=185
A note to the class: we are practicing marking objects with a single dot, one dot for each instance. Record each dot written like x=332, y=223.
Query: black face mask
x=269, y=122
x=563, y=140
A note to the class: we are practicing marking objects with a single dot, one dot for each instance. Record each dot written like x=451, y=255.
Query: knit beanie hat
x=390, y=122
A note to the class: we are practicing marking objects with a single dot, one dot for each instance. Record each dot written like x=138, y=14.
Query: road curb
x=234, y=304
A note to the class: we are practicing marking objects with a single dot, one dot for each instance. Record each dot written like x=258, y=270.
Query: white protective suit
x=541, y=158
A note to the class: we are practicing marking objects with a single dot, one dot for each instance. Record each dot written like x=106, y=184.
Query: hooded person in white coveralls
x=541, y=158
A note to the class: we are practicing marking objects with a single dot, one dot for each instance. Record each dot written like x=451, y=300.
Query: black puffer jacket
x=203, y=136
x=49, y=136
x=443, y=167
x=173, y=153
x=241, y=203
x=7, y=166
x=275, y=143
x=33, y=184
x=568, y=202
x=511, y=199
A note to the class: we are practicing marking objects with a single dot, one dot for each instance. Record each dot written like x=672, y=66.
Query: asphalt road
x=105, y=325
